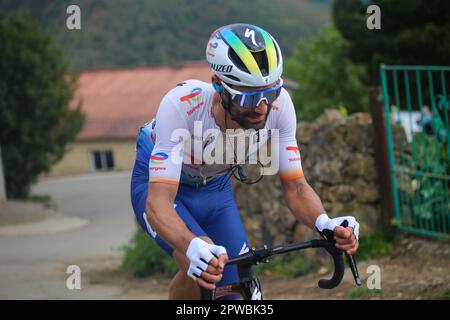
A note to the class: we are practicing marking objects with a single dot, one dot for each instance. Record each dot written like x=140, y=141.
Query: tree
x=416, y=33
x=326, y=77
x=36, y=87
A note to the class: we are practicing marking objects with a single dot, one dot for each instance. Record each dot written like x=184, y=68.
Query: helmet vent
x=263, y=63
x=236, y=60
x=260, y=58
x=230, y=76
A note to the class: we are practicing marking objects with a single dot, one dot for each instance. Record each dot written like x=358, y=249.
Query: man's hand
x=207, y=262
x=346, y=239
x=213, y=273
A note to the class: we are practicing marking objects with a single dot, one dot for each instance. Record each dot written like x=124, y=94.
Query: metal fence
x=417, y=107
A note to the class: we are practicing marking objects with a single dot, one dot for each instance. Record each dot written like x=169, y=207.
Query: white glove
x=323, y=222
x=199, y=254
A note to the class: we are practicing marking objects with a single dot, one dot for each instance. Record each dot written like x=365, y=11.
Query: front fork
x=250, y=284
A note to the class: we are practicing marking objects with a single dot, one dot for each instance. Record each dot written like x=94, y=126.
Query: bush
x=373, y=245
x=326, y=77
x=144, y=258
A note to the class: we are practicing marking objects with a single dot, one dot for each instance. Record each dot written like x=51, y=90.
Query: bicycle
x=249, y=286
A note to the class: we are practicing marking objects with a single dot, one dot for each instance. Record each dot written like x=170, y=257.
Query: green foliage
x=326, y=77
x=359, y=292
x=446, y=295
x=373, y=245
x=426, y=197
x=36, y=87
x=412, y=34
x=142, y=32
x=144, y=258
x=289, y=265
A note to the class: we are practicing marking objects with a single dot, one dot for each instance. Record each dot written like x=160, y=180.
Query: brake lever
x=352, y=262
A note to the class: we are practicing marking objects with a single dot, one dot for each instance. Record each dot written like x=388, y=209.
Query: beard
x=244, y=118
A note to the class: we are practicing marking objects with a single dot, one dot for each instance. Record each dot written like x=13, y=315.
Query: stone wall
x=339, y=163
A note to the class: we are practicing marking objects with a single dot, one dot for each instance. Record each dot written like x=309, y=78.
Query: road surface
x=34, y=266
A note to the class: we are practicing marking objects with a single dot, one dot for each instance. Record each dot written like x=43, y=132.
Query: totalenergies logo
x=158, y=158
x=193, y=97
x=292, y=148
x=212, y=48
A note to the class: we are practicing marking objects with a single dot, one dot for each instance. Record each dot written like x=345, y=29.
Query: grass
x=446, y=295
x=289, y=265
x=144, y=258
x=44, y=199
x=373, y=245
x=359, y=292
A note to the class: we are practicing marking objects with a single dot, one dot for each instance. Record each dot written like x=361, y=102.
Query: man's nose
x=262, y=106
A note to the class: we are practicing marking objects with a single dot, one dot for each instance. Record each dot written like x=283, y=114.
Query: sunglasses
x=251, y=99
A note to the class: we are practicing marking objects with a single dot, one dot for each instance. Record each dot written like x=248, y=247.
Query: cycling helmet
x=244, y=55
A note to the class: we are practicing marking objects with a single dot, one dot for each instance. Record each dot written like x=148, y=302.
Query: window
x=102, y=160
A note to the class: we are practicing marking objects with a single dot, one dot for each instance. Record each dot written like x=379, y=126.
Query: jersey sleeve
x=290, y=165
x=166, y=158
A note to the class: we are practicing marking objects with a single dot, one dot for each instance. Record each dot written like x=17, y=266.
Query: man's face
x=251, y=118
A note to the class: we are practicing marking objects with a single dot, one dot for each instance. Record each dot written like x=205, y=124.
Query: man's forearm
x=167, y=223
x=303, y=201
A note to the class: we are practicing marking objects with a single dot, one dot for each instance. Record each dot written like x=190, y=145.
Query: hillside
x=142, y=32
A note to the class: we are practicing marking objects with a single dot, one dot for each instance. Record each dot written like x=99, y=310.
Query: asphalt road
x=35, y=266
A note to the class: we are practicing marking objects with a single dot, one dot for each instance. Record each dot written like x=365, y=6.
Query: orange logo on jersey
x=292, y=148
x=193, y=97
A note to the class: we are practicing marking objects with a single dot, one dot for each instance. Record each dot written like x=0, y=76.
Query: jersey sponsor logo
x=193, y=97
x=294, y=159
x=190, y=111
x=294, y=149
x=275, y=107
x=225, y=68
x=158, y=158
x=157, y=168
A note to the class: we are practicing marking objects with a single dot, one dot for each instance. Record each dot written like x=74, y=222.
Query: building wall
x=78, y=159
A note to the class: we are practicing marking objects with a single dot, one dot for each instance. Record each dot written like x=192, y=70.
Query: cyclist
x=186, y=204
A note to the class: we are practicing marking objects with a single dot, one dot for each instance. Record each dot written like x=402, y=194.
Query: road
x=35, y=266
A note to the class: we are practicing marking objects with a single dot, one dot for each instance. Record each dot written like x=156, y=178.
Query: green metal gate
x=417, y=107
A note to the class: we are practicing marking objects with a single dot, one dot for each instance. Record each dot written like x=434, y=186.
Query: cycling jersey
x=186, y=111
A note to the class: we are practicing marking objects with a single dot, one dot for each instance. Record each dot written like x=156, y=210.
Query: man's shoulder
x=188, y=90
x=188, y=99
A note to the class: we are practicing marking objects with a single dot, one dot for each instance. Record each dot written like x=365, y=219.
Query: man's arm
x=303, y=201
x=306, y=206
x=162, y=216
